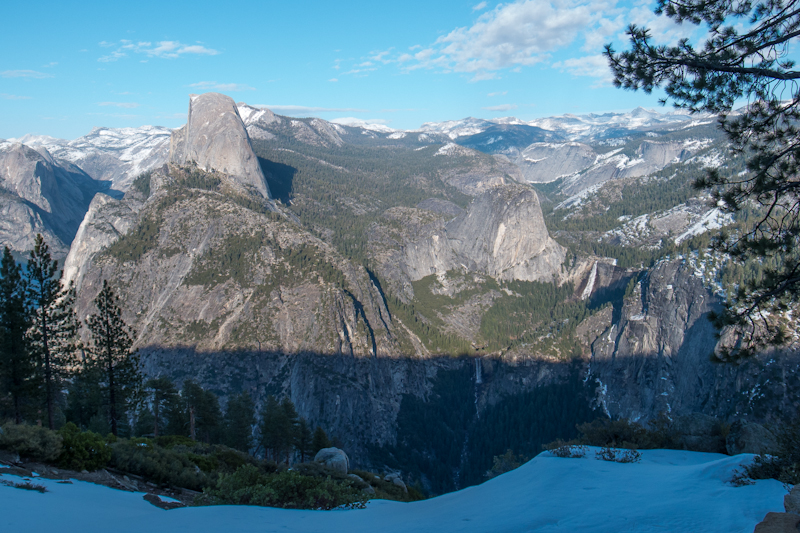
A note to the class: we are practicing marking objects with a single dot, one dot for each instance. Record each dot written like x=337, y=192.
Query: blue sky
x=70, y=66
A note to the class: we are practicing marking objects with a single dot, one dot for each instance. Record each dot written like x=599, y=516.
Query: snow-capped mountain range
x=577, y=127
x=117, y=155
x=584, y=150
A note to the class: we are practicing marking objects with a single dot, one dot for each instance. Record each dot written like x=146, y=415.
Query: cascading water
x=478, y=381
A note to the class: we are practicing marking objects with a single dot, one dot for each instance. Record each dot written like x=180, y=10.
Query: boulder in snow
x=397, y=481
x=778, y=523
x=333, y=458
x=791, y=502
x=748, y=437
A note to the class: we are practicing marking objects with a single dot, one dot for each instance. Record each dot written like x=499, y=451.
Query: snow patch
x=548, y=493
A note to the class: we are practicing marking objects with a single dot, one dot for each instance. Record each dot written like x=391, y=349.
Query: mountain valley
x=466, y=268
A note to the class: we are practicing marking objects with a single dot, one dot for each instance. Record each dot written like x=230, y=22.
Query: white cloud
x=595, y=66
x=162, y=49
x=214, y=86
x=499, y=93
x=333, y=80
x=126, y=105
x=478, y=7
x=24, y=74
x=307, y=110
x=511, y=35
x=502, y=107
x=360, y=70
x=5, y=96
x=382, y=56
x=50, y=65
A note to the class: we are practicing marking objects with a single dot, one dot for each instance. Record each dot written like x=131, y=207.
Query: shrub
x=170, y=441
x=289, y=489
x=161, y=465
x=612, y=433
x=27, y=485
x=505, y=463
x=783, y=465
x=618, y=456
x=34, y=442
x=387, y=490
x=560, y=448
x=83, y=450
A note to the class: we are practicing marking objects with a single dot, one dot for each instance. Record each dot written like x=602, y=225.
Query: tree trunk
x=48, y=374
x=155, y=416
x=112, y=393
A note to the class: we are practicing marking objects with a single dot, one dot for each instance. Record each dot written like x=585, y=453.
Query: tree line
x=48, y=376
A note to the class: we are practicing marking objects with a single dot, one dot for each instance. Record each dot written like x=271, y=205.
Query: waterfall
x=587, y=292
x=478, y=381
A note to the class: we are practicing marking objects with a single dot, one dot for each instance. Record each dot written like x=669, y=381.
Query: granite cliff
x=501, y=233
x=215, y=138
x=41, y=195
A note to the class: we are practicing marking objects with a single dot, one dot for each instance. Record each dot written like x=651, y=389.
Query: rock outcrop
x=333, y=458
x=501, y=233
x=215, y=138
x=545, y=162
x=105, y=222
x=41, y=195
x=749, y=437
x=656, y=357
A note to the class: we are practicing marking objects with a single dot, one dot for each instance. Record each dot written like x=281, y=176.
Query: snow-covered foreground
x=668, y=491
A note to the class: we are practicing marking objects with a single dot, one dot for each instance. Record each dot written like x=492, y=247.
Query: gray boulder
x=397, y=481
x=791, y=502
x=333, y=458
x=749, y=437
x=215, y=138
x=699, y=433
x=778, y=523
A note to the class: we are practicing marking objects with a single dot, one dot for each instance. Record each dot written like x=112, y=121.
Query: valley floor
x=668, y=490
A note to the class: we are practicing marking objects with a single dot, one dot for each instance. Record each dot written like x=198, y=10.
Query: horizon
x=352, y=121
x=100, y=65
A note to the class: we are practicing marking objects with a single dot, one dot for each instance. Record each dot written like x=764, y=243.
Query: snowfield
x=668, y=491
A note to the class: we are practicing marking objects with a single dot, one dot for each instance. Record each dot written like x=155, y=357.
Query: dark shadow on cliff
x=439, y=420
x=280, y=179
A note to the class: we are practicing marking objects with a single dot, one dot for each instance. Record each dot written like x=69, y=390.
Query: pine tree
x=202, y=408
x=269, y=427
x=176, y=417
x=320, y=440
x=111, y=352
x=162, y=394
x=54, y=328
x=85, y=399
x=304, y=440
x=17, y=368
x=748, y=54
x=240, y=417
x=288, y=424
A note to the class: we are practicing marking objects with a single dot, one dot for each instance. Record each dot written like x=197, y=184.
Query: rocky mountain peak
x=215, y=138
x=41, y=195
